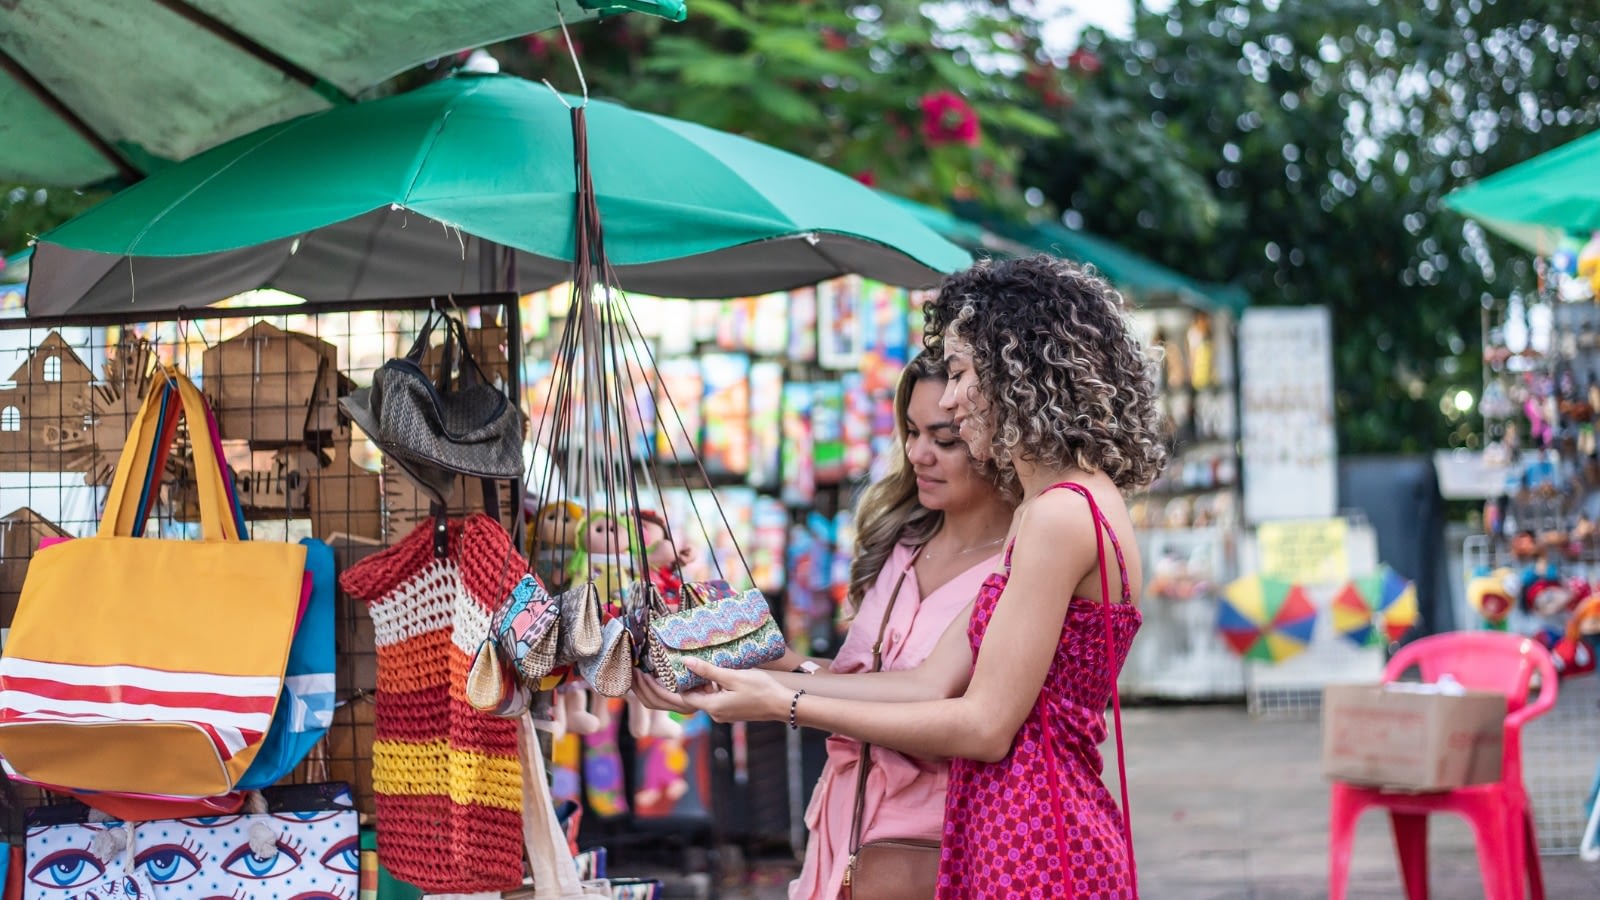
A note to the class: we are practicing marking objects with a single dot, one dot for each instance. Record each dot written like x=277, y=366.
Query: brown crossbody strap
x=877, y=665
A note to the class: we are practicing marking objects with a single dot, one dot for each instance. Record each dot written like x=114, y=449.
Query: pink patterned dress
x=1040, y=822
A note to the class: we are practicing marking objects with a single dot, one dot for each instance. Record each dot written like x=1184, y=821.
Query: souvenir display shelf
x=1534, y=568
x=273, y=379
x=1188, y=520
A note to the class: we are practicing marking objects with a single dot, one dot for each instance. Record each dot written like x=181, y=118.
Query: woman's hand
x=652, y=694
x=735, y=695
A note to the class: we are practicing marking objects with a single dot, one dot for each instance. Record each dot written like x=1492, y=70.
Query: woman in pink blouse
x=937, y=518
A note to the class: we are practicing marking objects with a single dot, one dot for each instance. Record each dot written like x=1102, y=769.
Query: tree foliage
x=27, y=211
x=1302, y=150
x=842, y=84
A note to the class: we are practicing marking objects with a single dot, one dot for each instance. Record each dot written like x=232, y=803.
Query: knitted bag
x=446, y=779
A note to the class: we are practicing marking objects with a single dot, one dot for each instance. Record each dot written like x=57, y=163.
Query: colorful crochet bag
x=446, y=779
x=716, y=624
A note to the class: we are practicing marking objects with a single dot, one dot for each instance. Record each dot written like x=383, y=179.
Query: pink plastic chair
x=1500, y=813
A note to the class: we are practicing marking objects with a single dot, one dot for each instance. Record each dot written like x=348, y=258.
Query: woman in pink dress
x=1047, y=380
x=933, y=526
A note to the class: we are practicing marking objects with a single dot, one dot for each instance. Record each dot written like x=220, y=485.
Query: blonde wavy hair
x=1066, y=383
x=888, y=512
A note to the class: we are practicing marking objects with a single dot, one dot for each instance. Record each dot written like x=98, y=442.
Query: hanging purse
x=579, y=636
x=887, y=868
x=610, y=672
x=526, y=629
x=714, y=623
x=435, y=430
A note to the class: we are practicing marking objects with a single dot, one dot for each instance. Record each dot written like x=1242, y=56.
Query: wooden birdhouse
x=20, y=533
x=346, y=498
x=406, y=505
x=271, y=484
x=271, y=387
x=41, y=401
x=488, y=345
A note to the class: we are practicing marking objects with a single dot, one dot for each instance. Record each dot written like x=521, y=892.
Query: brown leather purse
x=888, y=868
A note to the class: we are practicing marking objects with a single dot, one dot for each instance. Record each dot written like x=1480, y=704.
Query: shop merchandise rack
x=274, y=377
x=1540, y=406
x=1187, y=522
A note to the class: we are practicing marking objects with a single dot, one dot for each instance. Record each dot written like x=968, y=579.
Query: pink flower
x=948, y=119
x=865, y=176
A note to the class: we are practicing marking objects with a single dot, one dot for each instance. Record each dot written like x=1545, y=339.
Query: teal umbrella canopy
x=467, y=185
x=110, y=90
x=947, y=225
x=1542, y=204
x=1141, y=276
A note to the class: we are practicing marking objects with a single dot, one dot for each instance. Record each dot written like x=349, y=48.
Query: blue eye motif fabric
x=291, y=853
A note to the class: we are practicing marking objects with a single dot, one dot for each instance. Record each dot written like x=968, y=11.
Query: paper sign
x=1304, y=552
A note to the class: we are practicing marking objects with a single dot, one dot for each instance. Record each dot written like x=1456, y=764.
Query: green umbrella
x=949, y=226
x=420, y=193
x=1541, y=204
x=92, y=90
x=1140, y=276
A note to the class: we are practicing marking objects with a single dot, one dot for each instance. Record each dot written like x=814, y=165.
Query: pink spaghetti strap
x=1100, y=527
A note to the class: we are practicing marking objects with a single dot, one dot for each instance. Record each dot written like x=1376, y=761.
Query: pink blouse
x=905, y=796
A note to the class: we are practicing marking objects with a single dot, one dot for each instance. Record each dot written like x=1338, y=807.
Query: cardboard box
x=1409, y=738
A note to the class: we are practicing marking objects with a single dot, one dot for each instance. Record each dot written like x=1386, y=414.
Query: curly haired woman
x=1046, y=380
x=926, y=535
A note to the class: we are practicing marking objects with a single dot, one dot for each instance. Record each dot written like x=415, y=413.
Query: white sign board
x=1286, y=406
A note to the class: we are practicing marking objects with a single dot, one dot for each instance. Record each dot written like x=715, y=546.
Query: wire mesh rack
x=273, y=378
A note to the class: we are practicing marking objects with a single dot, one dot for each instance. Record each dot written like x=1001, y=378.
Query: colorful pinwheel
x=1266, y=619
x=1374, y=608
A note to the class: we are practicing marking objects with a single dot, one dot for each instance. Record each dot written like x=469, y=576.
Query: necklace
x=964, y=552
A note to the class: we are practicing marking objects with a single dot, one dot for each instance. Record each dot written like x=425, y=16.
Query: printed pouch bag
x=732, y=630
x=526, y=629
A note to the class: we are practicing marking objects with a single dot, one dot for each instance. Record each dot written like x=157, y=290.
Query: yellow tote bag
x=150, y=666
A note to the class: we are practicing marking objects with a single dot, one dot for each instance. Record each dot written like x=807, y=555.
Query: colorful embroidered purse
x=526, y=629
x=716, y=624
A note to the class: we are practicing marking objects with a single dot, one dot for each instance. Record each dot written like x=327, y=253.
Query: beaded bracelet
x=794, y=706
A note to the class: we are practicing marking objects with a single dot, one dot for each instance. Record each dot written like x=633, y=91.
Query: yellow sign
x=1306, y=552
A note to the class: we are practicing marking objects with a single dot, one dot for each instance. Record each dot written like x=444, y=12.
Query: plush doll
x=1491, y=595
x=664, y=559
x=551, y=542
x=603, y=555
x=572, y=710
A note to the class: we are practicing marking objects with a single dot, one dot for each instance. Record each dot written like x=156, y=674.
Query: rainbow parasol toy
x=1375, y=608
x=1266, y=619
x=1352, y=616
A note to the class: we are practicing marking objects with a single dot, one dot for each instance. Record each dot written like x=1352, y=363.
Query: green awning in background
x=1147, y=280
x=1543, y=204
x=951, y=227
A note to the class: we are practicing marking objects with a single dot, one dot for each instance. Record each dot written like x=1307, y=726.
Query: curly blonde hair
x=1066, y=383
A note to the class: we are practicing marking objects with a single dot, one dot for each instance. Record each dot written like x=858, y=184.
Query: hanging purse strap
x=865, y=760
